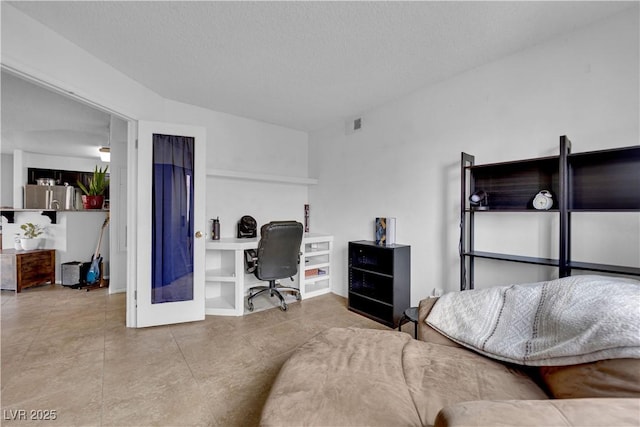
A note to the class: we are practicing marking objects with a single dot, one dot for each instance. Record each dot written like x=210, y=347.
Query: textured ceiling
x=305, y=65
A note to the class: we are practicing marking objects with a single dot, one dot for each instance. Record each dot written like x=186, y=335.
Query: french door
x=170, y=221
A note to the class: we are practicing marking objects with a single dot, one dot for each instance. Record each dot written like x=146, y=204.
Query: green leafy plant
x=31, y=231
x=97, y=184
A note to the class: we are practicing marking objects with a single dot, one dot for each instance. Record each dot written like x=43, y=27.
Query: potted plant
x=93, y=197
x=31, y=233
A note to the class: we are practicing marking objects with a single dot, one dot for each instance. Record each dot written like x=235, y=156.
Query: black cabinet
x=379, y=281
x=596, y=181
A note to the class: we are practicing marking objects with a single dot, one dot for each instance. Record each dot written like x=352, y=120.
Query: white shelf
x=315, y=289
x=317, y=238
x=318, y=278
x=219, y=275
x=223, y=302
x=228, y=273
x=311, y=266
x=317, y=253
x=250, y=176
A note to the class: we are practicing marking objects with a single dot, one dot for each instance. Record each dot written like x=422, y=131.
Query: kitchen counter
x=9, y=213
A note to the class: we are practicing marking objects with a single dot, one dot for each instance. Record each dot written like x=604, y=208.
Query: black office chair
x=277, y=257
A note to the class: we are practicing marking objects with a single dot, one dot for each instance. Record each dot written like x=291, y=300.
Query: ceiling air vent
x=353, y=125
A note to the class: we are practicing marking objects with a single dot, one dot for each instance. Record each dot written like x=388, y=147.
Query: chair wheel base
x=274, y=291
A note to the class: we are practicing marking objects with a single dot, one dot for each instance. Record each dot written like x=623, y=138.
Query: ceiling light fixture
x=105, y=154
x=105, y=151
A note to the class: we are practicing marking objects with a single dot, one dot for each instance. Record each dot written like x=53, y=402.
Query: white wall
x=405, y=162
x=6, y=180
x=74, y=236
x=233, y=143
x=245, y=145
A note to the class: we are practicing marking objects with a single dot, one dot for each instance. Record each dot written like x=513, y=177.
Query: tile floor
x=69, y=351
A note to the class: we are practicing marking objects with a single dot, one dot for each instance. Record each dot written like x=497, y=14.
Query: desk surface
x=233, y=243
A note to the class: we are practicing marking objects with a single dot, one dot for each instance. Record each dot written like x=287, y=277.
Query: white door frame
x=132, y=223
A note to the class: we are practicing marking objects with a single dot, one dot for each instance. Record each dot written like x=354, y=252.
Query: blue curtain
x=172, y=228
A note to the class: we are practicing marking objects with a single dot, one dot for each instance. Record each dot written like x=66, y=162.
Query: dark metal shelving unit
x=596, y=181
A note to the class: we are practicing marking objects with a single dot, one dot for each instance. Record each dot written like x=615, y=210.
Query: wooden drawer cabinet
x=21, y=269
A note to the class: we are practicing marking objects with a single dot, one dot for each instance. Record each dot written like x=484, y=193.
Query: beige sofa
x=361, y=377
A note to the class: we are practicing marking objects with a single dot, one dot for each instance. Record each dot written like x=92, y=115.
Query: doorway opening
x=46, y=127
